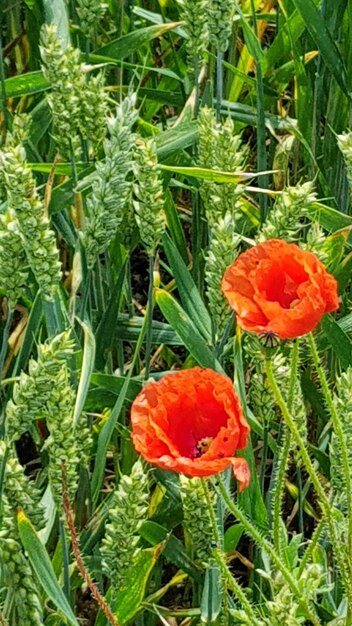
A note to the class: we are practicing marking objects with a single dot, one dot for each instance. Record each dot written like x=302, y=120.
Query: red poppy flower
x=276, y=287
x=191, y=422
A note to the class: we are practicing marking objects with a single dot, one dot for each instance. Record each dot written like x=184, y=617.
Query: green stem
x=5, y=338
x=284, y=454
x=338, y=429
x=256, y=535
x=149, y=314
x=196, y=85
x=323, y=499
x=219, y=83
x=219, y=557
x=261, y=133
x=312, y=545
x=65, y=559
x=2, y=81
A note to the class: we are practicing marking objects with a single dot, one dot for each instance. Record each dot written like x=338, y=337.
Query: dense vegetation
x=145, y=146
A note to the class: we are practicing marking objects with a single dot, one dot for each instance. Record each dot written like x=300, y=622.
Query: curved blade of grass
x=189, y=294
x=186, y=330
x=126, y=45
x=108, y=428
x=86, y=370
x=212, y=595
x=42, y=566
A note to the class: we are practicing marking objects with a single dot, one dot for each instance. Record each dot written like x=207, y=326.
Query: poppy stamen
x=203, y=445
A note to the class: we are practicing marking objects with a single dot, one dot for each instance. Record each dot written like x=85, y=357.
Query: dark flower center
x=203, y=446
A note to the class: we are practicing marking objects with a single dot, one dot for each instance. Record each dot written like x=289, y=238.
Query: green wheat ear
x=110, y=209
x=196, y=518
x=19, y=491
x=127, y=511
x=78, y=103
x=26, y=220
x=90, y=13
x=149, y=194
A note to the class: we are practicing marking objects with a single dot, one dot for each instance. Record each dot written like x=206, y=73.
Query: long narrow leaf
x=42, y=566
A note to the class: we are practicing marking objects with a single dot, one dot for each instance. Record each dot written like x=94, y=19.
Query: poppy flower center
x=194, y=420
x=279, y=286
x=203, y=445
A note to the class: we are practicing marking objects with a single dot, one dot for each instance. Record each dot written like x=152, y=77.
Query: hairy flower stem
x=336, y=423
x=257, y=536
x=322, y=497
x=311, y=548
x=78, y=557
x=284, y=454
x=233, y=585
x=219, y=557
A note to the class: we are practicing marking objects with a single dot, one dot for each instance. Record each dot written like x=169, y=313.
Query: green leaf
x=186, y=330
x=115, y=384
x=232, y=537
x=339, y=340
x=174, y=550
x=212, y=595
x=125, y=46
x=319, y=32
x=104, y=440
x=129, y=599
x=42, y=566
x=329, y=218
x=86, y=370
x=56, y=13
x=32, y=330
x=174, y=225
x=25, y=84
x=175, y=139
x=214, y=176
x=189, y=294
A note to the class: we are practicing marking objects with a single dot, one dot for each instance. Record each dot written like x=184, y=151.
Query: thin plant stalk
x=101, y=601
x=2, y=81
x=219, y=83
x=312, y=545
x=337, y=426
x=65, y=560
x=284, y=454
x=196, y=85
x=5, y=338
x=261, y=134
x=218, y=555
x=149, y=314
x=322, y=497
x=257, y=536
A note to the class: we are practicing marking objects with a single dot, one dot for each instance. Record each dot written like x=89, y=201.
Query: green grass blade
x=42, y=566
x=86, y=370
x=189, y=294
x=317, y=28
x=186, y=330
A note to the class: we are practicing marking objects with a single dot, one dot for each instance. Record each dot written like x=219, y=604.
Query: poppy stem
x=220, y=559
x=323, y=499
x=339, y=432
x=284, y=450
x=258, y=537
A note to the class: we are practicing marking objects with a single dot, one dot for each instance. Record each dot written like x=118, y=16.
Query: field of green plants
x=176, y=312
